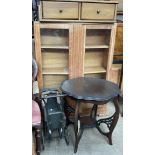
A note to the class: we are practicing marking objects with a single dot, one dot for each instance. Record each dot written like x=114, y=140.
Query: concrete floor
x=91, y=143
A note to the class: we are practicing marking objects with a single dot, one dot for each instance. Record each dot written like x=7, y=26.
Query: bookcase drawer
x=98, y=11
x=59, y=10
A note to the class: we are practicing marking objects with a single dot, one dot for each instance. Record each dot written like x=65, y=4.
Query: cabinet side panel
x=76, y=58
x=111, y=50
x=38, y=53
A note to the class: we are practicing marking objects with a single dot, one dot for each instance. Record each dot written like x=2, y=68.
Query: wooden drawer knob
x=60, y=11
x=98, y=11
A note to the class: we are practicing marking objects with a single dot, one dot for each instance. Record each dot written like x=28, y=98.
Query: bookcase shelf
x=96, y=46
x=53, y=81
x=54, y=47
x=55, y=71
x=94, y=69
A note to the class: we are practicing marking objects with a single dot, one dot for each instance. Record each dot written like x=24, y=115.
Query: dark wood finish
x=90, y=88
x=118, y=51
x=37, y=131
x=98, y=92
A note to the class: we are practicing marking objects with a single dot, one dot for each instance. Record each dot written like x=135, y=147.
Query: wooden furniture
x=78, y=10
x=118, y=50
x=120, y=7
x=74, y=39
x=115, y=73
x=36, y=125
x=96, y=91
x=116, y=69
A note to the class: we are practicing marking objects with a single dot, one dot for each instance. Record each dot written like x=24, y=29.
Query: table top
x=90, y=88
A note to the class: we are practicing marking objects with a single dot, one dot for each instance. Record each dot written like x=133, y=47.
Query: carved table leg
x=38, y=140
x=94, y=111
x=78, y=131
x=79, y=135
x=110, y=122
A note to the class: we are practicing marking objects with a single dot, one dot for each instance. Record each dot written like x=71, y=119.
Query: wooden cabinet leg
x=38, y=140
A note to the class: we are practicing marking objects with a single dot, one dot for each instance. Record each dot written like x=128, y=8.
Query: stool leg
x=76, y=126
x=38, y=140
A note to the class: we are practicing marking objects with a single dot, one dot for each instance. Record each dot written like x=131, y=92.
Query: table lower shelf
x=87, y=121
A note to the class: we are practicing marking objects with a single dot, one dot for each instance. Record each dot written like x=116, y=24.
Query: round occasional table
x=98, y=92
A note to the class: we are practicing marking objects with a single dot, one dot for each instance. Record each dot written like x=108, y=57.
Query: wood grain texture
x=54, y=47
x=76, y=61
x=38, y=53
x=72, y=10
x=40, y=12
x=97, y=37
x=96, y=46
x=54, y=26
x=96, y=58
x=55, y=61
x=99, y=11
x=99, y=26
x=111, y=50
x=94, y=69
x=115, y=73
x=60, y=10
x=53, y=81
x=119, y=39
x=103, y=1
x=85, y=109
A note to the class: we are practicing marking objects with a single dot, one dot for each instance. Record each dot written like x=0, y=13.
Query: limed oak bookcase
x=71, y=42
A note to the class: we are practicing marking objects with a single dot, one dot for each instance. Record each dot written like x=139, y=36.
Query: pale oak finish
x=53, y=81
x=77, y=55
x=55, y=62
x=60, y=10
x=98, y=11
x=94, y=59
x=78, y=10
x=115, y=73
x=97, y=37
x=54, y=47
x=37, y=39
x=119, y=40
x=111, y=50
x=96, y=1
x=94, y=69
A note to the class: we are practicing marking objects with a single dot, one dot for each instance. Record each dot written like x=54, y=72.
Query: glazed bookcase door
x=98, y=50
x=53, y=53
